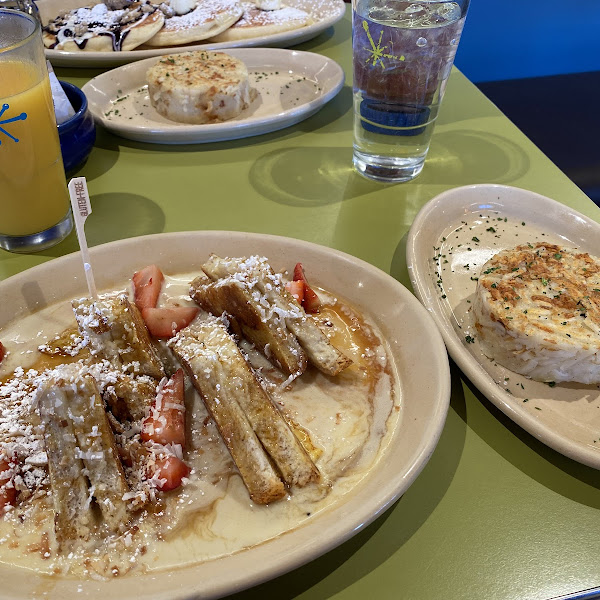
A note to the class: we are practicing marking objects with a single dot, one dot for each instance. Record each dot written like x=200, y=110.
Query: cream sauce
x=349, y=418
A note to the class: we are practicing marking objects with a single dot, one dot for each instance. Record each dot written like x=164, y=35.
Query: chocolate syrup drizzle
x=115, y=32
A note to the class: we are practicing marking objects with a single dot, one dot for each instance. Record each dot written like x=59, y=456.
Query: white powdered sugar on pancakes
x=254, y=17
x=205, y=12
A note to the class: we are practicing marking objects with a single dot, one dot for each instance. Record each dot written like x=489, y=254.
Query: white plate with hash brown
x=324, y=14
x=452, y=237
x=291, y=86
x=415, y=353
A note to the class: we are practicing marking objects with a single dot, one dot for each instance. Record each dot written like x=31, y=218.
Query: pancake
x=537, y=312
x=256, y=22
x=199, y=87
x=209, y=18
x=100, y=29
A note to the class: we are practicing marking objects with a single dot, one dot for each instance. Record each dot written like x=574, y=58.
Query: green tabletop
x=495, y=514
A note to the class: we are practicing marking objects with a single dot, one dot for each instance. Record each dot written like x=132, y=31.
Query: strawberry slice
x=8, y=493
x=2, y=352
x=170, y=470
x=166, y=322
x=166, y=422
x=147, y=284
x=310, y=301
x=296, y=289
x=299, y=273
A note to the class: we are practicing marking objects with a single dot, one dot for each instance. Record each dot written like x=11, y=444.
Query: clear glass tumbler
x=402, y=55
x=34, y=203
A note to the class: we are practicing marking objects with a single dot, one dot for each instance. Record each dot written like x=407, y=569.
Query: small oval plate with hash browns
x=452, y=237
x=291, y=86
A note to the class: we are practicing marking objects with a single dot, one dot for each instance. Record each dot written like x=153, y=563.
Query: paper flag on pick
x=80, y=202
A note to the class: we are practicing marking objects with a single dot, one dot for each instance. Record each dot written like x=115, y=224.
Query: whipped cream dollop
x=182, y=7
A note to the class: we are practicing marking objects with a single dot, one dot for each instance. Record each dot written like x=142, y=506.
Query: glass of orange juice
x=34, y=203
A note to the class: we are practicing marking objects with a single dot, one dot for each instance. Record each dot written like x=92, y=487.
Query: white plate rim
x=359, y=510
x=178, y=133
x=424, y=288
x=62, y=58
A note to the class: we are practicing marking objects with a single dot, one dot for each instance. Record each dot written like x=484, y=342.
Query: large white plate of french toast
x=113, y=32
x=512, y=279
x=221, y=389
x=205, y=96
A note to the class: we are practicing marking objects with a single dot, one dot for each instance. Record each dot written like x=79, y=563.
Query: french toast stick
x=73, y=514
x=130, y=393
x=210, y=356
x=77, y=401
x=101, y=457
x=114, y=330
x=275, y=434
x=259, y=276
x=258, y=324
x=271, y=428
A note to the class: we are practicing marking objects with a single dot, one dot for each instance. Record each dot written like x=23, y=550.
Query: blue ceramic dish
x=77, y=134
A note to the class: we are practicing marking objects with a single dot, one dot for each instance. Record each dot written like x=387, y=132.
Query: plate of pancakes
x=115, y=32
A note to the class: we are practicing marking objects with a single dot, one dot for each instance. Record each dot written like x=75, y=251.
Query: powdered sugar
x=205, y=13
x=254, y=17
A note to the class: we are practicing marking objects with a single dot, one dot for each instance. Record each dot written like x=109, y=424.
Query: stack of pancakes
x=126, y=24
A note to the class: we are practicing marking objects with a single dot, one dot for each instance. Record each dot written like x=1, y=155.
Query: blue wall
x=541, y=37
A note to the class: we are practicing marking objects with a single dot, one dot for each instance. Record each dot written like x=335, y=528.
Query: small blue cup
x=77, y=134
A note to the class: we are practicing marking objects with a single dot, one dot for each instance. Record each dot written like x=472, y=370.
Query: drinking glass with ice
x=402, y=55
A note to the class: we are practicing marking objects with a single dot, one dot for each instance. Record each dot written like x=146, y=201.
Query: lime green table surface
x=495, y=514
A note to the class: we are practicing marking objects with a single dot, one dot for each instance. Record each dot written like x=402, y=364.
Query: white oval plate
x=414, y=343
x=325, y=13
x=456, y=227
x=291, y=85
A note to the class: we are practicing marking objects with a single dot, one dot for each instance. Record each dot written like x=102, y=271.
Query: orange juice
x=33, y=193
